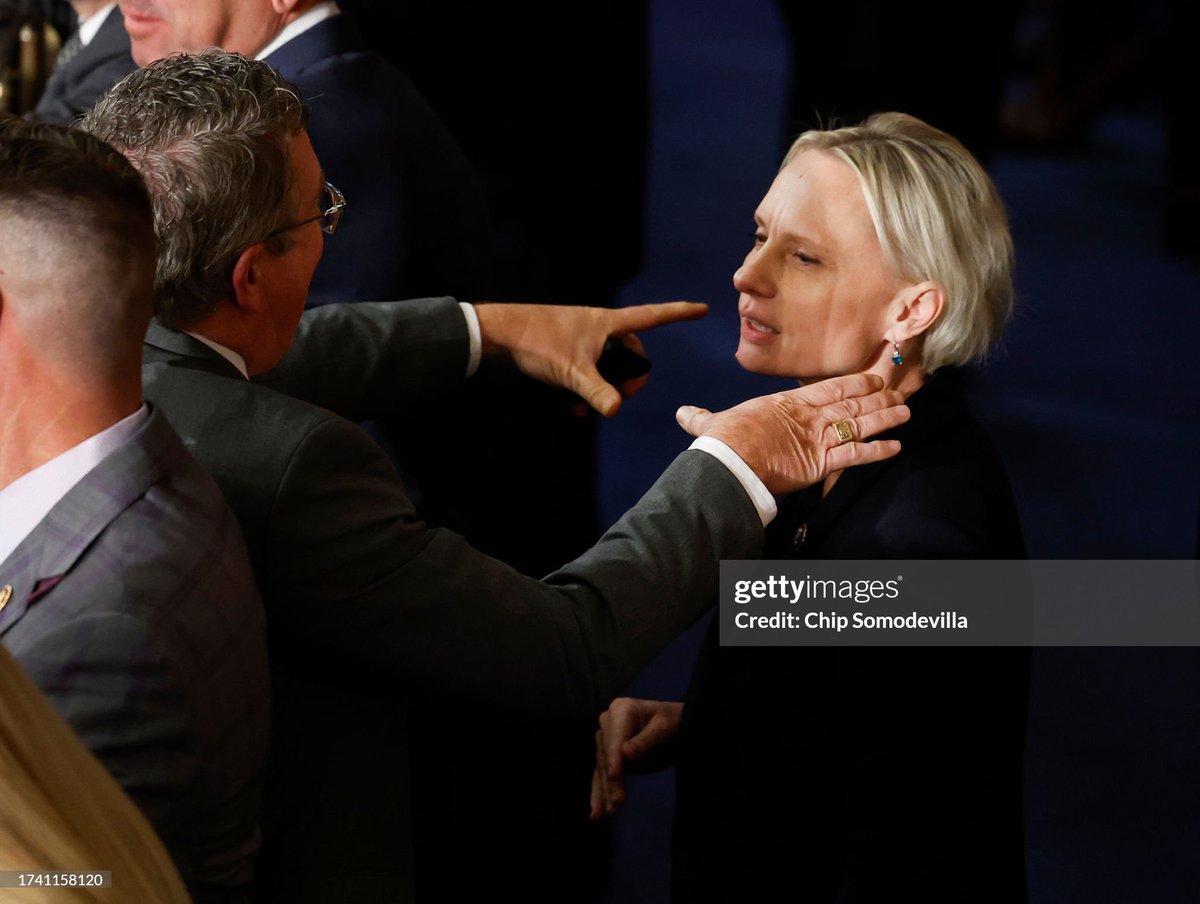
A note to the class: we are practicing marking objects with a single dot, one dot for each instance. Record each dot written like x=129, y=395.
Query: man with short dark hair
x=125, y=590
x=363, y=599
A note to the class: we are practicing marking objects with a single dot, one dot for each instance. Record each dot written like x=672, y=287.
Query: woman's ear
x=915, y=309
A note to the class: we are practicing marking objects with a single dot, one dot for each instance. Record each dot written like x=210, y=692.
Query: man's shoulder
x=252, y=439
x=172, y=540
x=342, y=79
x=144, y=540
x=211, y=409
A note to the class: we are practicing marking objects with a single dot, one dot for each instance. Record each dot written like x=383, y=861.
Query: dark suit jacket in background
x=364, y=601
x=856, y=775
x=134, y=610
x=415, y=220
x=74, y=88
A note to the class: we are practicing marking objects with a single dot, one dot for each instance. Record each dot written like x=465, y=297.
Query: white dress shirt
x=91, y=25
x=28, y=499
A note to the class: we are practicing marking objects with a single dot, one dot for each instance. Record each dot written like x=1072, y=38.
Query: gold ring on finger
x=844, y=431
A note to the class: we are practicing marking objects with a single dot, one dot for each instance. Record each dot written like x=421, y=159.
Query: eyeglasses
x=333, y=202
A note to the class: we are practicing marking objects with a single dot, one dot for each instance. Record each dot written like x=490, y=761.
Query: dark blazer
x=134, y=610
x=364, y=601
x=416, y=222
x=74, y=88
x=857, y=775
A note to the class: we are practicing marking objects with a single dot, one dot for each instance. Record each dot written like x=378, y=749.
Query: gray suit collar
x=176, y=343
x=56, y=544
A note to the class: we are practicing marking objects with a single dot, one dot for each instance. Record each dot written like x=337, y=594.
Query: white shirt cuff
x=763, y=501
x=475, y=335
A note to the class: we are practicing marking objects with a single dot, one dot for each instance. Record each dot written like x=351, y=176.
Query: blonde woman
x=860, y=775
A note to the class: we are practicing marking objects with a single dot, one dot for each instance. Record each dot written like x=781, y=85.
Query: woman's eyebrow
x=790, y=235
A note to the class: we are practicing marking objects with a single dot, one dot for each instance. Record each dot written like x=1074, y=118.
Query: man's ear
x=915, y=309
x=248, y=278
x=285, y=7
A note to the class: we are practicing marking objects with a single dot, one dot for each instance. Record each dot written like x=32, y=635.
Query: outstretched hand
x=787, y=438
x=560, y=344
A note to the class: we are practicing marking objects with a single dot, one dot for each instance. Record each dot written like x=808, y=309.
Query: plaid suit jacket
x=135, y=611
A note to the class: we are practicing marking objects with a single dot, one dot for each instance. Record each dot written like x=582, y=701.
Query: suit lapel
x=50, y=552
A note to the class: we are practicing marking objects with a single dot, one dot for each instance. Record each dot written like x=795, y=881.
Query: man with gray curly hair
x=362, y=598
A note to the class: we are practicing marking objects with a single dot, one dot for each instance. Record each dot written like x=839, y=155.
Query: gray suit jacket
x=364, y=600
x=135, y=611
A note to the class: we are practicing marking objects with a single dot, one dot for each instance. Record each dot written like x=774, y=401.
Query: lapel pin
x=5, y=595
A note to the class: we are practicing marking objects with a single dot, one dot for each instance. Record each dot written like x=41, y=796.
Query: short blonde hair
x=939, y=218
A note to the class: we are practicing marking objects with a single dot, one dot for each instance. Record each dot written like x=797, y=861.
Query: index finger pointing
x=648, y=316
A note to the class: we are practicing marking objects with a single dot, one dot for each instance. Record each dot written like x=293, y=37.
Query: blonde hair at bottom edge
x=62, y=811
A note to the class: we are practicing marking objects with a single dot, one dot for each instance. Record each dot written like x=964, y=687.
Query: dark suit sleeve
x=368, y=359
x=358, y=571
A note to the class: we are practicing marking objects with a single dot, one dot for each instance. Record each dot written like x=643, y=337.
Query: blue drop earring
x=897, y=358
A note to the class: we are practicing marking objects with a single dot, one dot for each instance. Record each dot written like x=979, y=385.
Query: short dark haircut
x=79, y=247
x=209, y=133
x=65, y=179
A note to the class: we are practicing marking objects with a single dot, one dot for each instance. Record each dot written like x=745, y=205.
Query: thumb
x=634, y=747
x=692, y=419
x=593, y=389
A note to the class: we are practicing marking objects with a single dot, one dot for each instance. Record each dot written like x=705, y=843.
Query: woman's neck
x=904, y=378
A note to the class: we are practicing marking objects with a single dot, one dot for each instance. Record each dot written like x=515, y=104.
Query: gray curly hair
x=209, y=134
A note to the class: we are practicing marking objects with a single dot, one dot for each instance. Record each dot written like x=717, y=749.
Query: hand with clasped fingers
x=634, y=736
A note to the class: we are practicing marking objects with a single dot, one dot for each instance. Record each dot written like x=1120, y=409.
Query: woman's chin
x=756, y=360
x=751, y=359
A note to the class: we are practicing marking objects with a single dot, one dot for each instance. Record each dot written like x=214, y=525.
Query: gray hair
x=939, y=218
x=209, y=134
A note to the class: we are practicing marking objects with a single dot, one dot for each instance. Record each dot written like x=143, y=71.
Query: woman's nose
x=753, y=276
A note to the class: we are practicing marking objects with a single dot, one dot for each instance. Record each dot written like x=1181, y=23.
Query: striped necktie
x=68, y=51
